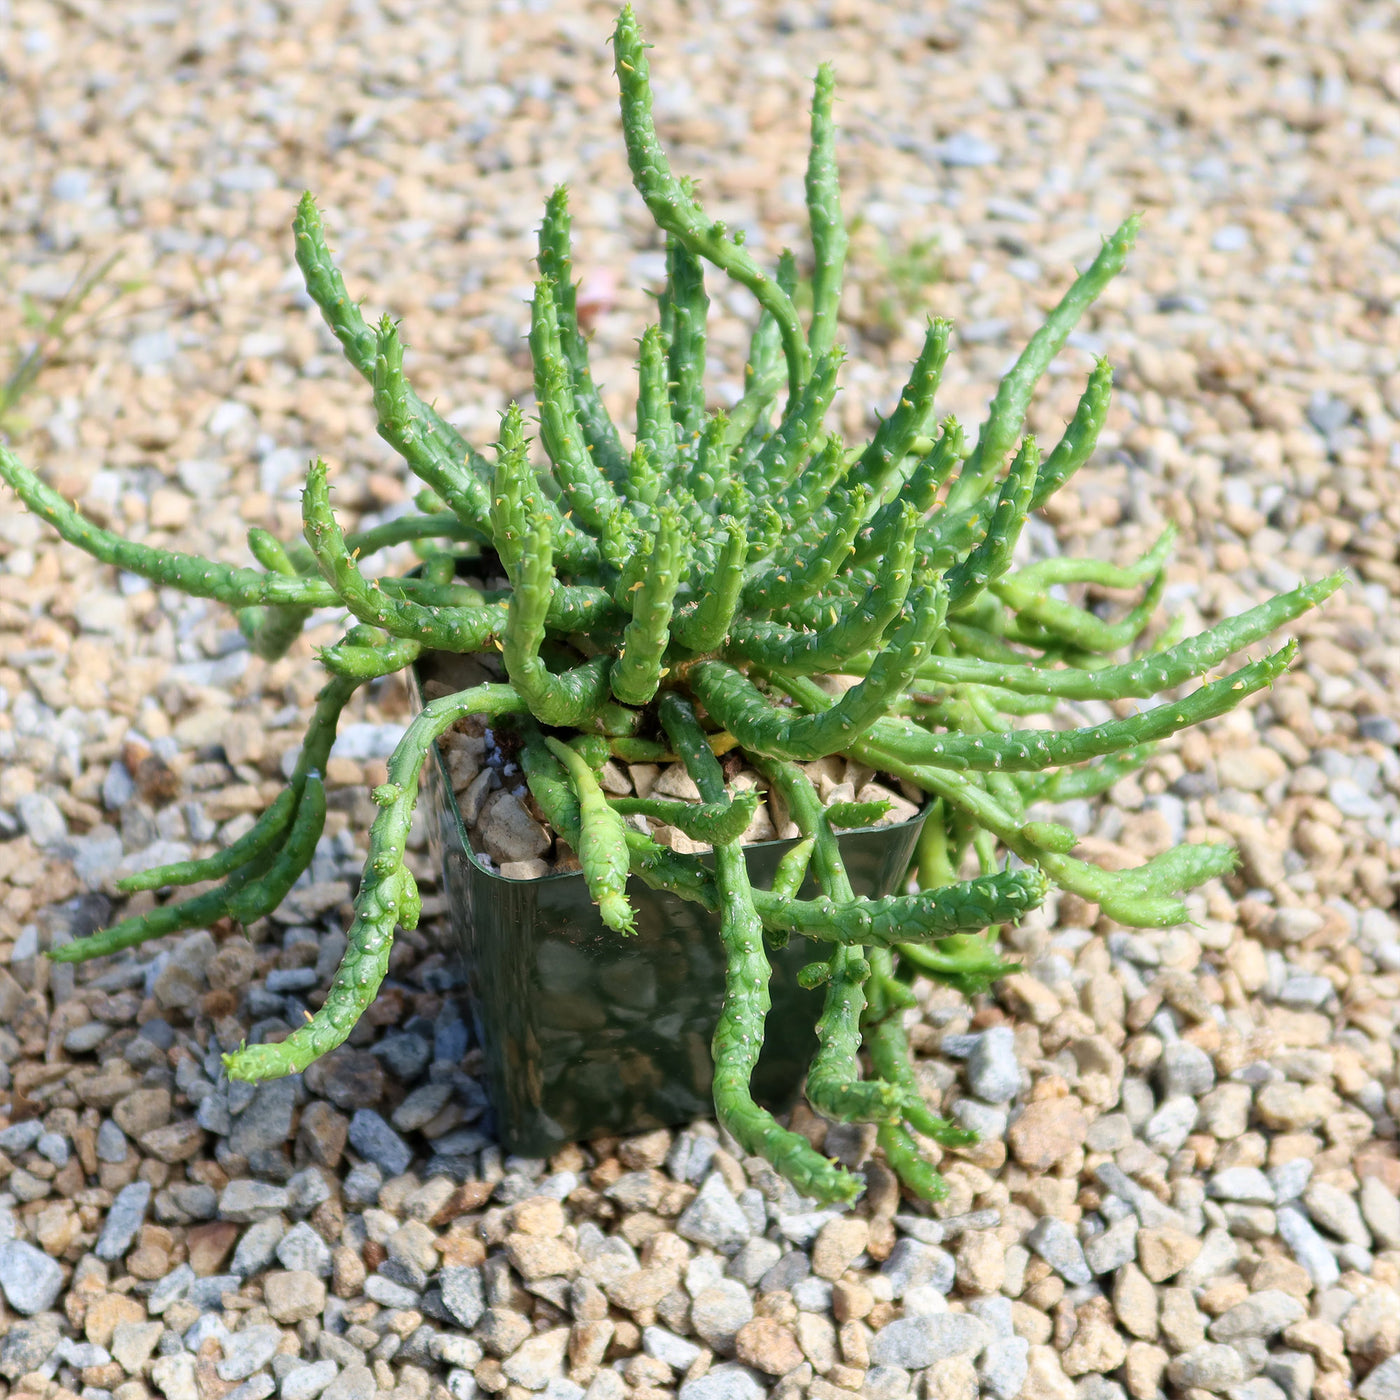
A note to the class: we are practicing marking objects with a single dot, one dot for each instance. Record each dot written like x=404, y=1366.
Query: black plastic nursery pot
x=586, y=1032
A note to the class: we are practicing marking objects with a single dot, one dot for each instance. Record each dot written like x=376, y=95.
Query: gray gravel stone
x=1003, y=1367
x=1337, y=1212
x=207, y=1292
x=1096, y=1387
x=802, y=1227
x=963, y=148
x=714, y=1218
x=885, y=1383
x=42, y=820
x=787, y=1273
x=353, y=1383
x=26, y=1346
x=1211, y=1366
x=1171, y=1125
x=719, y=1311
x=987, y=1120
x=996, y=1312
x=916, y=1342
x=993, y=1071
x=267, y=1121
x=404, y=1053
x=754, y=1260
x=124, y=1219
x=389, y=1294
x=81, y=1354
x=1262, y=1314
x=727, y=1382
x=29, y=1279
x=1113, y=1248
x=173, y=1287
x=258, y=1246
x=257, y=1387
x=462, y=1294
x=303, y=1248
x=1185, y=1069
x=212, y=1114
x=54, y=1146
x=307, y=1382
x=1309, y=1248
x=1381, y=1212
x=812, y=1294
x=20, y=1137
x=1056, y=1243
x=376, y=1141
x=421, y=1106
x=678, y=1353
x=912, y=1264
x=1152, y=1213
x=245, y=1200
x=1383, y=1383
x=248, y=1351
x=1293, y=1372
x=1290, y=1179
x=1246, y=1184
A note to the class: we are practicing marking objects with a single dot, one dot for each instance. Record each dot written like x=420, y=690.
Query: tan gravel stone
x=1181, y=1321
x=1292, y=1107
x=107, y=1313
x=1045, y=1376
x=1097, y=1347
x=1135, y=1302
x=1046, y=1132
x=767, y=1346
x=817, y=1337
x=1143, y=1370
x=293, y=1295
x=142, y=1111
x=1164, y=1252
x=952, y=1378
x=840, y=1242
x=536, y=1257
x=981, y=1262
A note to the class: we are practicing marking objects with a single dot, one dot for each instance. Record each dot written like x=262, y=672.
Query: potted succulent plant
x=728, y=590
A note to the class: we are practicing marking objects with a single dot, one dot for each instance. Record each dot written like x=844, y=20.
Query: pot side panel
x=586, y=1032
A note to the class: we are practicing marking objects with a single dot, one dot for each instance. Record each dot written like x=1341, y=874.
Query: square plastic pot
x=588, y=1033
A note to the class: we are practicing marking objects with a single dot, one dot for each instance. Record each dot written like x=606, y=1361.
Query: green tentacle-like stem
x=602, y=842
x=556, y=266
x=676, y=211
x=834, y=1083
x=739, y=1030
x=191, y=574
x=446, y=629
x=441, y=456
x=288, y=820
x=746, y=713
x=388, y=896
x=712, y=823
x=1032, y=750
x=1008, y=410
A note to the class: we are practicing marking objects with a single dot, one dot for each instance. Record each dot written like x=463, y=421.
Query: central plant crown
x=690, y=593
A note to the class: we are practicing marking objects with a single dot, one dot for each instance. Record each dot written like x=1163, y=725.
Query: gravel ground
x=1188, y=1182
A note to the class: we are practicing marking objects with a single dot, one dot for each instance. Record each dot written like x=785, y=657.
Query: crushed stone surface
x=1188, y=1179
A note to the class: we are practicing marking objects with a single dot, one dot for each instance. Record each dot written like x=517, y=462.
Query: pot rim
x=557, y=875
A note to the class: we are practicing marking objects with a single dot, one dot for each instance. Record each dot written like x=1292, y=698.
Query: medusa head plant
x=685, y=592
